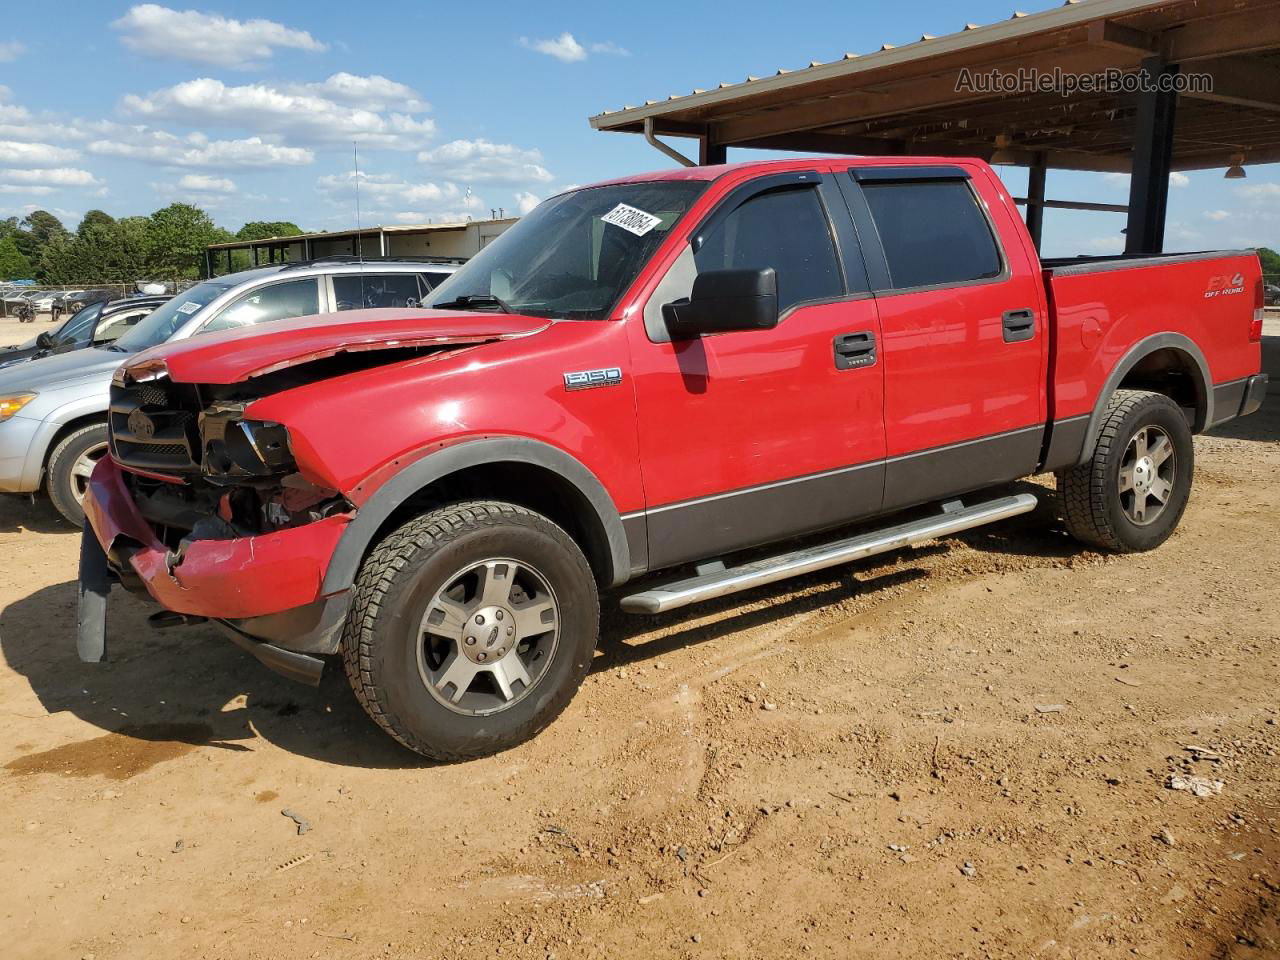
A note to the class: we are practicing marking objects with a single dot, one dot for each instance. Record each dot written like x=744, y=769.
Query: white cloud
x=195, y=37
x=25, y=190
x=54, y=177
x=374, y=92
x=1217, y=215
x=257, y=106
x=202, y=183
x=564, y=47
x=479, y=161
x=1177, y=179
x=610, y=48
x=1260, y=191
x=11, y=50
x=525, y=202
x=389, y=195
x=196, y=150
x=16, y=153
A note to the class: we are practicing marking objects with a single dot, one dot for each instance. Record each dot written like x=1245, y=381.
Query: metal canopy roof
x=903, y=100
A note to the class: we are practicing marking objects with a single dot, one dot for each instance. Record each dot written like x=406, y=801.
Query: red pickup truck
x=662, y=372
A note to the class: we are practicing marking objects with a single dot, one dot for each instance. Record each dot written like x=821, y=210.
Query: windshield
x=170, y=316
x=79, y=326
x=575, y=255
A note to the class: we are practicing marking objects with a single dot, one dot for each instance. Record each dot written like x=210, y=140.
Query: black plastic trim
x=1228, y=399
x=905, y=173
x=1254, y=394
x=312, y=628
x=1139, y=351
x=296, y=666
x=359, y=534
x=1066, y=440
x=959, y=468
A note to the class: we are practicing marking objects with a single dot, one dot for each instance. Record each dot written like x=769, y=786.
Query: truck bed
x=1194, y=309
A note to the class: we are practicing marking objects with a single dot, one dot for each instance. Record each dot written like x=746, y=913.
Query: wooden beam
x=1243, y=81
x=1104, y=33
x=1249, y=30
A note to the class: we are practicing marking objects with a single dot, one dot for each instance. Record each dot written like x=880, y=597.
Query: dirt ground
x=13, y=332
x=957, y=751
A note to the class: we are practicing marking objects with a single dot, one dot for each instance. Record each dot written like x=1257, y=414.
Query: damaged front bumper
x=264, y=590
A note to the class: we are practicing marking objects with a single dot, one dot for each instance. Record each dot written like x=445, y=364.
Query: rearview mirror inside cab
x=723, y=301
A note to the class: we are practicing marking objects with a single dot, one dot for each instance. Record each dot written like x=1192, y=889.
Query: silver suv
x=53, y=411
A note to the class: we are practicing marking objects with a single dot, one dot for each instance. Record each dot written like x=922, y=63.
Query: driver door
x=754, y=436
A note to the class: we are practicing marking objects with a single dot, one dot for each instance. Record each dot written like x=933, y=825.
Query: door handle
x=1019, y=325
x=854, y=350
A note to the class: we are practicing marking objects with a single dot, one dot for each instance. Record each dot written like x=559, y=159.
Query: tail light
x=1259, y=311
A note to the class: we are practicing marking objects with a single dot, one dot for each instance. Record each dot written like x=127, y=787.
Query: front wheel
x=1131, y=493
x=471, y=628
x=70, y=464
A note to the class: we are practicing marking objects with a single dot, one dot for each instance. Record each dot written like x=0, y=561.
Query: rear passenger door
x=963, y=332
x=753, y=436
x=274, y=301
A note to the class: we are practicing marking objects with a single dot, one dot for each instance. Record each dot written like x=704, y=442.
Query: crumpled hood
x=233, y=356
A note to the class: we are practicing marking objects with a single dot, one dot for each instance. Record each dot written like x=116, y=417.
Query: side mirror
x=724, y=301
x=45, y=340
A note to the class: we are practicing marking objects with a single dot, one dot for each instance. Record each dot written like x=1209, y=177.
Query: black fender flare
x=1135, y=355
x=344, y=565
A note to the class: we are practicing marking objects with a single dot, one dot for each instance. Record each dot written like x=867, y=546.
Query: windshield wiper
x=481, y=300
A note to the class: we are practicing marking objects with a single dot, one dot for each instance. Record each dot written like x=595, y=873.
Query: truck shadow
x=186, y=685
x=190, y=686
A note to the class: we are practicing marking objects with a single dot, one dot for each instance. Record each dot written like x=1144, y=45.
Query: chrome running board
x=719, y=583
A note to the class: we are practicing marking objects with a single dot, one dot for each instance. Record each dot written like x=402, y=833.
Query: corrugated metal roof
x=1019, y=24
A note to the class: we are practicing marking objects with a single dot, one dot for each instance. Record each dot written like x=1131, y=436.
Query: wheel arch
x=49, y=438
x=518, y=469
x=1168, y=363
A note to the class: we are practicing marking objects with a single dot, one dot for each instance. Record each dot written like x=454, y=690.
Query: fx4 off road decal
x=1224, y=285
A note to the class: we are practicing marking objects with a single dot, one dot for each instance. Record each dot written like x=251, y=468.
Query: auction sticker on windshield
x=189, y=307
x=632, y=220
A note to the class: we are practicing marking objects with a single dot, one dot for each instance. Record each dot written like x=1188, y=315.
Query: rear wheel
x=70, y=464
x=471, y=628
x=1131, y=493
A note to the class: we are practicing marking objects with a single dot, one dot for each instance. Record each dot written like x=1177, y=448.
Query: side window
x=294, y=298
x=435, y=279
x=784, y=229
x=933, y=232
x=361, y=290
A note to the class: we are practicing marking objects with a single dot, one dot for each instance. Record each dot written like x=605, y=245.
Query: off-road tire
x=1089, y=492
x=395, y=583
x=59, y=481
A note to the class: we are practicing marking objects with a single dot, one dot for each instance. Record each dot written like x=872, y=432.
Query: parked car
x=1273, y=295
x=100, y=324
x=654, y=374
x=53, y=411
x=75, y=302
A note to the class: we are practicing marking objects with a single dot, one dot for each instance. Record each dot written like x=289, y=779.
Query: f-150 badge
x=586, y=379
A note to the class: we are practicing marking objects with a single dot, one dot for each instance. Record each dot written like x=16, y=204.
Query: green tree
x=94, y=218
x=37, y=229
x=1270, y=261
x=176, y=238
x=13, y=264
x=265, y=229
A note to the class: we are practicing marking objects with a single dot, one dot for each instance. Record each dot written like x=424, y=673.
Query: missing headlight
x=236, y=450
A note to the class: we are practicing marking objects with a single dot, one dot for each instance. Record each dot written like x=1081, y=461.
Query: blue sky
x=249, y=110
